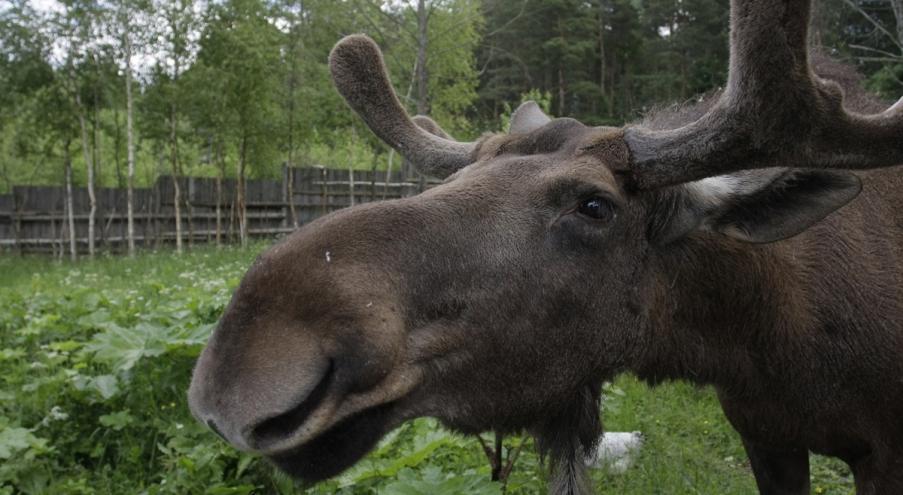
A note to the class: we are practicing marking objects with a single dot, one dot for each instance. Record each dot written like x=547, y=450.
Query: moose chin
x=730, y=245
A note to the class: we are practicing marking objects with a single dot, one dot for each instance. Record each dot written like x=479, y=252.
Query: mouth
x=303, y=444
x=339, y=447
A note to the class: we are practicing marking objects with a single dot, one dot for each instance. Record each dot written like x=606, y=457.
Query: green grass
x=95, y=358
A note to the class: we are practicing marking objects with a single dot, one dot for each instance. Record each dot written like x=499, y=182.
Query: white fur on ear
x=712, y=192
x=762, y=206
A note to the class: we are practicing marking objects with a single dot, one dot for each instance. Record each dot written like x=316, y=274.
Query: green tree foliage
x=244, y=84
x=453, y=34
x=606, y=60
x=34, y=111
x=240, y=51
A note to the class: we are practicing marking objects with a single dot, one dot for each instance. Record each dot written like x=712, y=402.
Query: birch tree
x=240, y=49
x=75, y=28
x=177, y=42
x=126, y=10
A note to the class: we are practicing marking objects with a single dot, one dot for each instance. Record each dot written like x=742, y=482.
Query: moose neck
x=719, y=307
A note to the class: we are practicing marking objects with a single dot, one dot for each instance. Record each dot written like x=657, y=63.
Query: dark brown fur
x=510, y=322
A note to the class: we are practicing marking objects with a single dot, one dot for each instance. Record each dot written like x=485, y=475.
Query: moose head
x=544, y=264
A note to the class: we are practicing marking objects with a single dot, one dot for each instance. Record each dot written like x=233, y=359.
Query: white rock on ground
x=617, y=451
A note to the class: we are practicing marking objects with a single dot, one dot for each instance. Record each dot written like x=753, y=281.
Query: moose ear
x=429, y=125
x=527, y=118
x=789, y=205
x=761, y=206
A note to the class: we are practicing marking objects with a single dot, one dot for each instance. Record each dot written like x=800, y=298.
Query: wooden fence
x=34, y=218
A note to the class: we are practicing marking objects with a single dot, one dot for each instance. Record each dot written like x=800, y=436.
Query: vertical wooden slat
x=29, y=216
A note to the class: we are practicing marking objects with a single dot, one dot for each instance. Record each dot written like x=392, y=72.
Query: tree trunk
x=602, y=48
x=221, y=162
x=95, y=128
x=95, y=170
x=612, y=70
x=817, y=23
x=130, y=198
x=561, y=92
x=92, y=199
x=73, y=251
x=423, y=79
x=423, y=75
x=117, y=147
x=176, y=188
x=290, y=171
x=240, y=192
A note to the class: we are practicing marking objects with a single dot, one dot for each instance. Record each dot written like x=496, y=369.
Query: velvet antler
x=360, y=76
x=774, y=111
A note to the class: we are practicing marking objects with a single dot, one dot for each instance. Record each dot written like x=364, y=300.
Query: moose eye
x=597, y=208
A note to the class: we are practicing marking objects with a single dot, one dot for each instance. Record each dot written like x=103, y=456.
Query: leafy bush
x=95, y=361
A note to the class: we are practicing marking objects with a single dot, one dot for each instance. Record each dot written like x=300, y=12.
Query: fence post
x=388, y=173
x=351, y=184
x=158, y=210
x=29, y=226
x=322, y=189
x=285, y=196
x=189, y=206
x=17, y=222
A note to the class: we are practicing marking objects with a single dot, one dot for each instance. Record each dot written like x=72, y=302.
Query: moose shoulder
x=730, y=249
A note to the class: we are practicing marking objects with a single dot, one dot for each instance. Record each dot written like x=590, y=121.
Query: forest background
x=95, y=357
x=108, y=93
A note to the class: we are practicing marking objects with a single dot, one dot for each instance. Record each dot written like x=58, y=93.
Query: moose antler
x=774, y=111
x=360, y=76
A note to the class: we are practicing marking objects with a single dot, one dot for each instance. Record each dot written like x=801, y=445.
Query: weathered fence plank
x=34, y=218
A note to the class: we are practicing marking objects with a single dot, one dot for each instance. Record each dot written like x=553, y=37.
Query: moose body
x=759, y=266
x=802, y=339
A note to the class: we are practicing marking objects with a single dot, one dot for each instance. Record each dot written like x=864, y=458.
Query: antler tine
x=773, y=112
x=360, y=75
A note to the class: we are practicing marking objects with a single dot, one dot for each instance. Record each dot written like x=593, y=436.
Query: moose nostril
x=213, y=427
x=284, y=425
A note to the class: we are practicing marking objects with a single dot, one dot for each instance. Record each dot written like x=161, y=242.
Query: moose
x=754, y=244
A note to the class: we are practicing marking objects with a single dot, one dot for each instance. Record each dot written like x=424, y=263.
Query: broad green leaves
x=18, y=441
x=123, y=347
x=94, y=365
x=117, y=420
x=435, y=481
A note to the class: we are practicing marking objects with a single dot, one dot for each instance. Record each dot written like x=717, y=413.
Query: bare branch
x=890, y=60
x=875, y=23
x=893, y=56
x=503, y=27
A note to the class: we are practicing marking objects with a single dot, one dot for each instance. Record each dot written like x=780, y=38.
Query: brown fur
x=478, y=303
